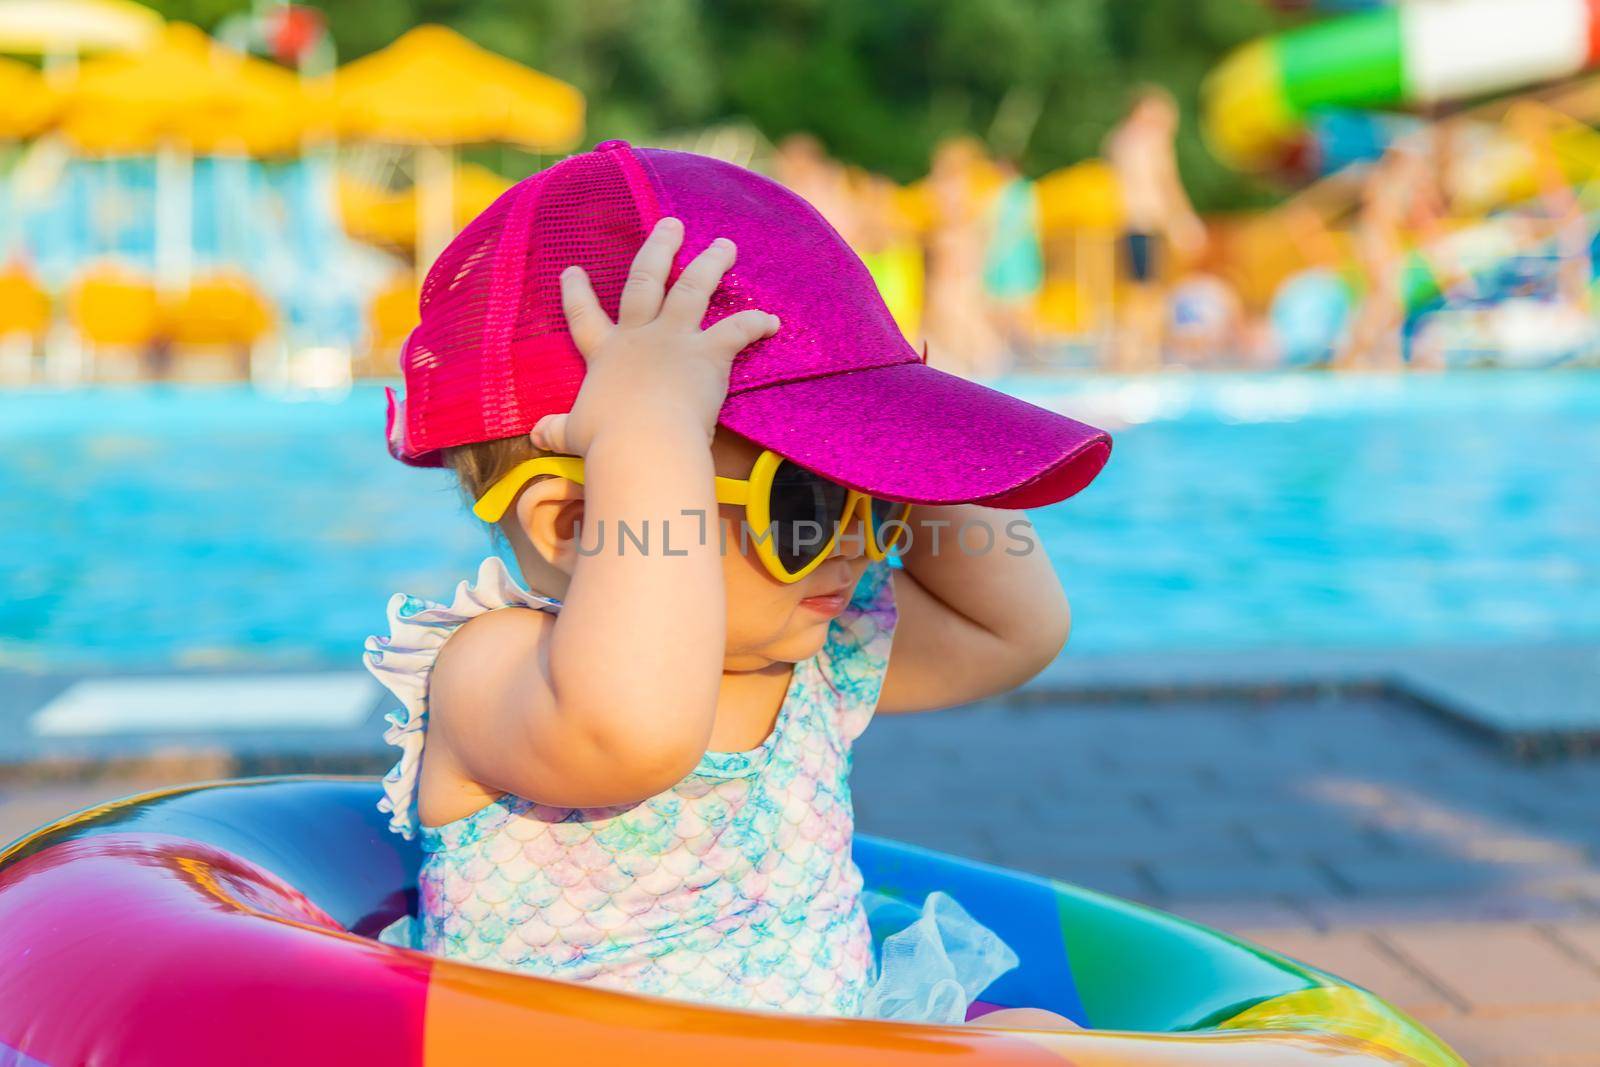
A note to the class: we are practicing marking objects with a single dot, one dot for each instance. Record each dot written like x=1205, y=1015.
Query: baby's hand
x=654, y=361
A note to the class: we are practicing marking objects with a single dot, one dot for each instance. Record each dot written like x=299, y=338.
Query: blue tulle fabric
x=934, y=963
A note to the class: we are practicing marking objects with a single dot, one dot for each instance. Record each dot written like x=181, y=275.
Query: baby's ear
x=550, y=512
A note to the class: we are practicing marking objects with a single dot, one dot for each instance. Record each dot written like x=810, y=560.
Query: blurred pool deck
x=1423, y=822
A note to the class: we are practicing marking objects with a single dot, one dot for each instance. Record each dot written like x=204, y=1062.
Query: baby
x=677, y=394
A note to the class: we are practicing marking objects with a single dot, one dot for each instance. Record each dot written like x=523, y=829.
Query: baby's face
x=770, y=621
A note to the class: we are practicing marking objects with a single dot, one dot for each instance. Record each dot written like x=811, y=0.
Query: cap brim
x=912, y=433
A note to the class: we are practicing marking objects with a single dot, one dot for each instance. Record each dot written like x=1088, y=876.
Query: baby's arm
x=613, y=700
x=972, y=623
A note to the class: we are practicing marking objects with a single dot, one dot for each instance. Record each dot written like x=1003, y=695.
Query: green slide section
x=1348, y=62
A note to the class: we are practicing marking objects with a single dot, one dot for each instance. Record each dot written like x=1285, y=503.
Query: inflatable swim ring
x=234, y=923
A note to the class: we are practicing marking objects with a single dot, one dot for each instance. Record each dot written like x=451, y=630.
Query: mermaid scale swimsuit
x=735, y=886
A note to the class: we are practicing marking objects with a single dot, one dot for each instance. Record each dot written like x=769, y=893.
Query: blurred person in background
x=1013, y=269
x=1155, y=209
x=1205, y=321
x=1374, y=340
x=803, y=164
x=1545, y=314
x=1569, y=230
x=960, y=333
x=1402, y=204
x=888, y=243
x=1308, y=318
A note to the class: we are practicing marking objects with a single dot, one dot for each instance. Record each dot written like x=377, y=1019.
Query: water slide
x=1259, y=100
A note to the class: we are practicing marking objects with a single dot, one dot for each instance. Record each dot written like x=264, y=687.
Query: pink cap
x=837, y=389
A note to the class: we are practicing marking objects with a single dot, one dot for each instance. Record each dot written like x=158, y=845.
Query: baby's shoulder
x=490, y=629
x=485, y=644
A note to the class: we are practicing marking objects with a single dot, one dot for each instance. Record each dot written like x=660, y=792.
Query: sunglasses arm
x=733, y=491
x=492, y=505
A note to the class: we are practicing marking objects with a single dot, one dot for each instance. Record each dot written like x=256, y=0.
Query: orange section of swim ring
x=477, y=1017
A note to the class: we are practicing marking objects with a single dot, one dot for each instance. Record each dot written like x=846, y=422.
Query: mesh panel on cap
x=491, y=355
x=595, y=210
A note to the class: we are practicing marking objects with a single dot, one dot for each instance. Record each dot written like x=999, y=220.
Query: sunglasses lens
x=888, y=521
x=805, y=508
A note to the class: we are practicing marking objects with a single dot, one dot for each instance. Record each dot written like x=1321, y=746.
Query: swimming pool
x=160, y=527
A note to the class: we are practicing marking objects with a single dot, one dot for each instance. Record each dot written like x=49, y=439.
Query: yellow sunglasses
x=794, y=517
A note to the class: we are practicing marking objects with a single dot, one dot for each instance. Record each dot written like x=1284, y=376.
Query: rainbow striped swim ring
x=234, y=922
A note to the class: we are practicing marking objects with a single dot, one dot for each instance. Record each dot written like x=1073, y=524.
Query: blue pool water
x=161, y=527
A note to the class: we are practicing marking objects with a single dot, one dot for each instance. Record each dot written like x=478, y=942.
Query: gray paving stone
x=1530, y=696
x=1241, y=880
x=1124, y=843
x=1412, y=874
x=1321, y=841
x=1333, y=913
x=969, y=836
x=1433, y=825
x=1108, y=802
x=1283, y=812
x=1076, y=817
x=1486, y=795
x=1567, y=810
x=1504, y=845
x=1251, y=776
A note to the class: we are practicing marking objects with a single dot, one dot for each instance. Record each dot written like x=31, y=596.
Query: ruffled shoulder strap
x=855, y=656
x=403, y=661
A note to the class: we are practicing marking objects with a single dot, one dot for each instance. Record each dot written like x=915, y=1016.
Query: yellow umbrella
x=225, y=309
x=434, y=89
x=1084, y=196
x=111, y=306
x=374, y=214
x=26, y=104
x=391, y=316
x=186, y=91
x=66, y=27
x=1080, y=207
x=24, y=304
